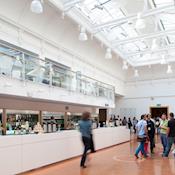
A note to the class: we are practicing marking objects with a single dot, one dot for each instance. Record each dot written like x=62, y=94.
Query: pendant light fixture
x=136, y=73
x=83, y=35
x=108, y=54
x=125, y=65
x=169, y=70
x=154, y=45
x=140, y=23
x=163, y=60
x=37, y=6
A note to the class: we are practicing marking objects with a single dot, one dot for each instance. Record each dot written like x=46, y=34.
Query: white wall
x=142, y=95
x=153, y=72
x=49, y=35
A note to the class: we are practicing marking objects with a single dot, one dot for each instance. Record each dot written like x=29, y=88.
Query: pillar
x=4, y=121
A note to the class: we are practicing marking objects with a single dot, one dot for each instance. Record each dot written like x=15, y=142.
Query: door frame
x=159, y=107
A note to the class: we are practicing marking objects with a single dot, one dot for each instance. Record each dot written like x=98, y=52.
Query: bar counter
x=22, y=153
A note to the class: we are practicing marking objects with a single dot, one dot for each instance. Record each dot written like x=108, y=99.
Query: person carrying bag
x=141, y=136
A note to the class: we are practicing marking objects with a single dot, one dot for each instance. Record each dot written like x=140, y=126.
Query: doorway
x=102, y=116
x=158, y=111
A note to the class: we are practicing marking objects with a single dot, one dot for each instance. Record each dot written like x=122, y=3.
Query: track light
x=154, y=45
x=140, y=23
x=83, y=35
x=136, y=73
x=108, y=54
x=125, y=65
x=37, y=6
x=169, y=70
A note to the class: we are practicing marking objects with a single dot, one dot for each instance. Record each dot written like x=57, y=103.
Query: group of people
x=124, y=122
x=146, y=129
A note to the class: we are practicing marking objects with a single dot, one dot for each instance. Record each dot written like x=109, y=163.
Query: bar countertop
x=20, y=153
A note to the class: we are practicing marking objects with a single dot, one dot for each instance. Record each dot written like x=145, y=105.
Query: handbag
x=141, y=139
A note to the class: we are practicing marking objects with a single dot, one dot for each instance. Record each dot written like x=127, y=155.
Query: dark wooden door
x=158, y=111
x=102, y=115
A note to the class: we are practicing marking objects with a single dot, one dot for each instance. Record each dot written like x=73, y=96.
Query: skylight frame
x=113, y=33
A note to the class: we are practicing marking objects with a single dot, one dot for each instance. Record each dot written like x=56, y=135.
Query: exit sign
x=158, y=105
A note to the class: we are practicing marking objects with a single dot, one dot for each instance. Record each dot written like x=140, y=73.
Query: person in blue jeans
x=163, y=131
x=86, y=132
x=170, y=134
x=141, y=135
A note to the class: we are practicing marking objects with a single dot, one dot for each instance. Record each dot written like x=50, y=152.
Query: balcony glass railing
x=23, y=66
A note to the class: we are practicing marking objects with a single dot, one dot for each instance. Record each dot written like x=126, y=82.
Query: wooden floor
x=118, y=160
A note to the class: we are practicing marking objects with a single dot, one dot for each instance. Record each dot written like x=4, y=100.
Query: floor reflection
x=118, y=160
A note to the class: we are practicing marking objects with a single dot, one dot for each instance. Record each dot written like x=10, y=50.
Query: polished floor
x=118, y=160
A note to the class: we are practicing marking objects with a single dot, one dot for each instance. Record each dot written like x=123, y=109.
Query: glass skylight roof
x=102, y=11
x=99, y=13
x=167, y=18
x=161, y=3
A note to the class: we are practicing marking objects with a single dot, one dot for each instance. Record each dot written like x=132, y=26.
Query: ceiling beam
x=149, y=51
x=145, y=36
x=137, y=63
x=133, y=17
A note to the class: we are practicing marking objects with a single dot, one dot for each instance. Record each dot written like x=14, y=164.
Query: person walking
x=141, y=136
x=129, y=123
x=86, y=133
x=163, y=131
x=135, y=121
x=92, y=147
x=170, y=134
x=151, y=132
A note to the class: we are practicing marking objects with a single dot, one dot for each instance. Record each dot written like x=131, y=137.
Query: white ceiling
x=114, y=21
